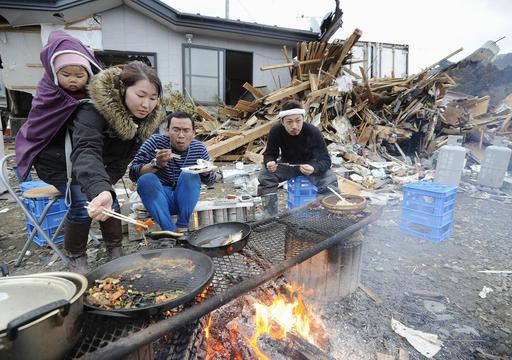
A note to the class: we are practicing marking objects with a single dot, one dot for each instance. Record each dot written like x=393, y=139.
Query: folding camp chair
x=36, y=193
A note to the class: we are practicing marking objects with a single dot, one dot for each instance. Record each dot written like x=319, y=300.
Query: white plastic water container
x=450, y=162
x=495, y=164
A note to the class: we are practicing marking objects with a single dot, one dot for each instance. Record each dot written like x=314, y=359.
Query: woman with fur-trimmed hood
x=106, y=132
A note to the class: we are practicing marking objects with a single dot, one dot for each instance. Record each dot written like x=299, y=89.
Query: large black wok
x=214, y=240
x=158, y=270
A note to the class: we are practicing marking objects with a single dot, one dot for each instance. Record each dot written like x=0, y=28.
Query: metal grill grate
x=272, y=241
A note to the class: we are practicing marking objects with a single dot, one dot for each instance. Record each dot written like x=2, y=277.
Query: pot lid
x=79, y=280
x=22, y=294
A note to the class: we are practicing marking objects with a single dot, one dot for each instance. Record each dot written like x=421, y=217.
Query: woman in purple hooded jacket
x=105, y=132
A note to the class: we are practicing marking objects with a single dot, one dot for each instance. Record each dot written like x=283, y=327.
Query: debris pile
x=377, y=127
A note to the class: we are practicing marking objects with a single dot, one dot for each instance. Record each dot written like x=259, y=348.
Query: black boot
x=112, y=237
x=75, y=243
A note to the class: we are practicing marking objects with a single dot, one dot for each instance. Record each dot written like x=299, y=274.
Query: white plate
x=194, y=169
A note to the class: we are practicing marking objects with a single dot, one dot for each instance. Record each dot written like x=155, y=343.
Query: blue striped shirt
x=169, y=175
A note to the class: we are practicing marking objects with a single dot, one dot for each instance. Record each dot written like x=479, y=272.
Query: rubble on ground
x=381, y=132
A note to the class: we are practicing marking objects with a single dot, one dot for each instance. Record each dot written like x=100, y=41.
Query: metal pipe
x=124, y=346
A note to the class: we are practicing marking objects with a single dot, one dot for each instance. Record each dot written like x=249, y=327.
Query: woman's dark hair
x=135, y=71
x=180, y=115
x=291, y=104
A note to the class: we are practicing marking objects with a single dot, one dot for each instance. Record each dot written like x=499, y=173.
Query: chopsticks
x=173, y=155
x=125, y=219
x=288, y=164
x=121, y=217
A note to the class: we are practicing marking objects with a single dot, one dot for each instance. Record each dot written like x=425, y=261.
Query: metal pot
x=44, y=315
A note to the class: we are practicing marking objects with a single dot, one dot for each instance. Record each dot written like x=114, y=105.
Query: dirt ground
x=432, y=287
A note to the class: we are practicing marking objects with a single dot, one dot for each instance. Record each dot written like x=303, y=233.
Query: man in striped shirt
x=163, y=188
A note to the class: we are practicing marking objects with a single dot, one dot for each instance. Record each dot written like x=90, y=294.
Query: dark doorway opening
x=116, y=57
x=238, y=72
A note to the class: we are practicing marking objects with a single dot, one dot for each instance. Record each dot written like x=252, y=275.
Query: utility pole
x=227, y=9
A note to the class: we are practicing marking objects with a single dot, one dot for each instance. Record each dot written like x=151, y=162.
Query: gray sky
x=431, y=28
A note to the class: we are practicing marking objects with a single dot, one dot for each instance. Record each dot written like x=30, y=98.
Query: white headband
x=296, y=111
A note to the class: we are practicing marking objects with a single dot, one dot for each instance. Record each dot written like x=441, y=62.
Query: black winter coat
x=105, y=139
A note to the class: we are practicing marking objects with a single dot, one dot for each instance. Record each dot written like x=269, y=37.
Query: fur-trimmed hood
x=107, y=100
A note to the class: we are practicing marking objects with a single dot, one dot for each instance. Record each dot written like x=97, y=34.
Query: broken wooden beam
x=230, y=112
x=347, y=45
x=254, y=92
x=201, y=112
x=291, y=64
x=235, y=142
x=246, y=106
x=283, y=93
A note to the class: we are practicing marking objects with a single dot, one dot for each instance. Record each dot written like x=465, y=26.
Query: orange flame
x=284, y=316
x=207, y=327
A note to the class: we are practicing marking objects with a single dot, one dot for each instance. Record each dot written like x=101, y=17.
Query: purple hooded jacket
x=51, y=106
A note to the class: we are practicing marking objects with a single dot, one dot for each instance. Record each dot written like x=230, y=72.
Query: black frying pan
x=214, y=240
x=162, y=270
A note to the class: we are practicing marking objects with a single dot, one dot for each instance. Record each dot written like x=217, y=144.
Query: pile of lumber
x=403, y=117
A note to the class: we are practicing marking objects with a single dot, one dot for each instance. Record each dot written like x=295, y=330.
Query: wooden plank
x=350, y=72
x=328, y=90
x=366, y=85
x=253, y=157
x=285, y=53
x=282, y=93
x=313, y=79
x=229, y=132
x=235, y=142
x=347, y=45
x=255, y=92
x=505, y=124
x=252, y=120
x=204, y=114
x=365, y=135
x=302, y=51
x=246, y=106
x=228, y=158
x=382, y=356
x=230, y=112
x=290, y=64
x=403, y=354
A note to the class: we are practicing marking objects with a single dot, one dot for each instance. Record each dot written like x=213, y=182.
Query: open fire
x=287, y=314
x=281, y=319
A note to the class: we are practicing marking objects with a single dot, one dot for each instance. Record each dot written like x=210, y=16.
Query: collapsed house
x=375, y=125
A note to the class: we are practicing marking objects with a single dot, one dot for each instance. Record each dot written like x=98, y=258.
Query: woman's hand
x=102, y=201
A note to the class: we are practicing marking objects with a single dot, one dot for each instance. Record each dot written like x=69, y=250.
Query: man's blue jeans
x=162, y=201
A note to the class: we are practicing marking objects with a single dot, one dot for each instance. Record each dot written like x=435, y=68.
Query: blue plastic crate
x=429, y=198
x=36, y=206
x=427, y=219
x=422, y=231
x=300, y=191
x=39, y=240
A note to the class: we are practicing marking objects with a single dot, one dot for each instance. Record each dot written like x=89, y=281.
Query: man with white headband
x=295, y=148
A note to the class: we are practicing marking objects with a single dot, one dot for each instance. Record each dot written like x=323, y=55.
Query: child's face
x=72, y=78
